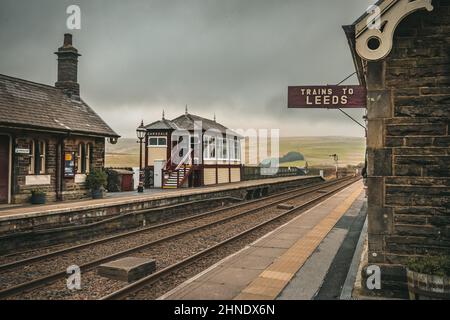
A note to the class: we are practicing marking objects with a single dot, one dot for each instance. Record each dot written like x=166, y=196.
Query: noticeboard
x=69, y=164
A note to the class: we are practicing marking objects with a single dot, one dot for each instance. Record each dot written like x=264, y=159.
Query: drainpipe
x=60, y=170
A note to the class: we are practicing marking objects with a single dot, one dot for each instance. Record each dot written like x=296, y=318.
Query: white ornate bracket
x=375, y=33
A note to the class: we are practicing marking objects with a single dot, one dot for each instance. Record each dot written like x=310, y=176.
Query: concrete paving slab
x=287, y=236
x=236, y=277
x=267, y=252
x=253, y=262
x=251, y=297
x=308, y=280
x=296, y=229
x=206, y=291
x=284, y=252
x=277, y=243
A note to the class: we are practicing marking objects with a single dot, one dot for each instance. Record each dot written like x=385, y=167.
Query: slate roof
x=27, y=104
x=162, y=125
x=186, y=122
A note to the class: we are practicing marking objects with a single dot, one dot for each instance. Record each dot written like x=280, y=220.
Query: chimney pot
x=67, y=40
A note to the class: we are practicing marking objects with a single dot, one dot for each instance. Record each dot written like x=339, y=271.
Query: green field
x=315, y=149
x=318, y=149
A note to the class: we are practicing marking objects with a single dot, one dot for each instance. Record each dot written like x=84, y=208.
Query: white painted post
x=136, y=177
x=321, y=173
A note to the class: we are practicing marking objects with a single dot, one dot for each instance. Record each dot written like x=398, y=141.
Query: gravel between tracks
x=13, y=257
x=34, y=270
x=167, y=253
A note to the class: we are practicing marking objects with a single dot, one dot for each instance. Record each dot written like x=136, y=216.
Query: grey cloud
x=234, y=58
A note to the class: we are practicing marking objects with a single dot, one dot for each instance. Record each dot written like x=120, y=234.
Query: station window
x=89, y=157
x=84, y=158
x=205, y=147
x=37, y=162
x=195, y=140
x=237, y=149
x=232, y=149
x=221, y=148
x=209, y=148
x=80, y=155
x=158, y=142
x=42, y=156
x=212, y=148
x=31, y=167
x=225, y=149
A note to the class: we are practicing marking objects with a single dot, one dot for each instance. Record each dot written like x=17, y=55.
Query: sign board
x=327, y=97
x=22, y=151
x=69, y=165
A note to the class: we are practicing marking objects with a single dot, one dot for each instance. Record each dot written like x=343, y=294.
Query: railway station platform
x=307, y=258
x=34, y=225
x=12, y=212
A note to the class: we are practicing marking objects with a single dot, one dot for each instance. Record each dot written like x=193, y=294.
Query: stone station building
x=49, y=137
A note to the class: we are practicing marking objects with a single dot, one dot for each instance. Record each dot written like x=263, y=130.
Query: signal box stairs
x=177, y=178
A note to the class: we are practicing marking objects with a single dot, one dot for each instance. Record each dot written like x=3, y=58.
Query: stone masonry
x=71, y=189
x=409, y=146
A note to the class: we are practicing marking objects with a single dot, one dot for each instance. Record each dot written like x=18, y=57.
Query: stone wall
x=409, y=146
x=71, y=190
x=21, y=191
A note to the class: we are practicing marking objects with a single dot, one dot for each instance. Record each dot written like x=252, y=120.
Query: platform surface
x=8, y=212
x=269, y=268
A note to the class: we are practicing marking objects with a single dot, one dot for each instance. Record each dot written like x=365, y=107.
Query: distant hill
x=123, y=154
x=315, y=150
x=292, y=156
x=123, y=146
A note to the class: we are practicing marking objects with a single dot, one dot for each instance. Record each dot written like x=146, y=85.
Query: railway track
x=143, y=290
x=158, y=242
x=10, y=260
x=66, y=249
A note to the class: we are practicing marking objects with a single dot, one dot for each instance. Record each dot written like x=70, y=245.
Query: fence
x=256, y=173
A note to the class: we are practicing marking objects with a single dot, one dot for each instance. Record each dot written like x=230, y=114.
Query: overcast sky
x=234, y=58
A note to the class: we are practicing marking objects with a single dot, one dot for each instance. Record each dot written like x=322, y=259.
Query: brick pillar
x=379, y=109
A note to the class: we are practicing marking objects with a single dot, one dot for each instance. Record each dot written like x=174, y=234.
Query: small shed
x=120, y=180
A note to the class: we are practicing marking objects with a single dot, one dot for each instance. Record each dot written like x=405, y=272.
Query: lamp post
x=336, y=160
x=141, y=132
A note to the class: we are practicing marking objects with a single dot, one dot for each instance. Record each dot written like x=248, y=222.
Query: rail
x=149, y=280
x=32, y=284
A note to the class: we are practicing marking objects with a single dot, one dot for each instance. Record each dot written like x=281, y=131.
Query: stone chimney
x=68, y=68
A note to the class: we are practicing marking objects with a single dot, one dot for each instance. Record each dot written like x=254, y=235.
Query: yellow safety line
x=271, y=282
